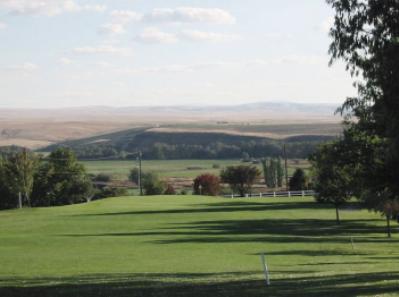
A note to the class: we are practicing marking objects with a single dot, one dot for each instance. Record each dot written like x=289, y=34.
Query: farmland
x=195, y=246
x=172, y=168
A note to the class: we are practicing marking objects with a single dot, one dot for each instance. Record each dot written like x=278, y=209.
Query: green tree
x=280, y=173
x=61, y=180
x=273, y=172
x=365, y=35
x=299, y=180
x=240, y=178
x=153, y=185
x=7, y=199
x=333, y=182
x=134, y=175
x=18, y=175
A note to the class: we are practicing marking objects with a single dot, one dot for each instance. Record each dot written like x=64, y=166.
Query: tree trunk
x=389, y=232
x=337, y=214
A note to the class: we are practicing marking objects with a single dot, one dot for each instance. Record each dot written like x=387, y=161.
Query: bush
x=108, y=192
x=207, y=184
x=153, y=185
x=299, y=181
x=101, y=177
x=134, y=175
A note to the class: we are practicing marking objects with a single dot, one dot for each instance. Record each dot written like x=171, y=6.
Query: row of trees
x=30, y=180
x=214, y=150
x=273, y=172
x=364, y=163
x=240, y=179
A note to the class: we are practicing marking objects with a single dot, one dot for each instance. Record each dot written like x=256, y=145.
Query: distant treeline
x=170, y=146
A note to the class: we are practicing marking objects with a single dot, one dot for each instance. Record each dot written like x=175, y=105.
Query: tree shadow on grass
x=263, y=231
x=158, y=285
x=220, y=207
x=232, y=206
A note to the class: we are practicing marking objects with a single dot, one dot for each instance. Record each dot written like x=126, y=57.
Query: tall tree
x=19, y=170
x=240, y=178
x=273, y=172
x=61, y=180
x=7, y=199
x=333, y=180
x=299, y=180
x=365, y=35
x=280, y=173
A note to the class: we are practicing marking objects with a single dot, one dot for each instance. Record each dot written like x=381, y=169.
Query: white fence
x=275, y=194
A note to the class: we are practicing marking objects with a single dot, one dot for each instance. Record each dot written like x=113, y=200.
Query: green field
x=170, y=168
x=195, y=246
x=167, y=168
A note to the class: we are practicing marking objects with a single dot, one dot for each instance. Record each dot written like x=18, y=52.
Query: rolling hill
x=37, y=128
x=197, y=143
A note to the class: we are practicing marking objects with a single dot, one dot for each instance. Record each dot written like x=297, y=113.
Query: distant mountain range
x=273, y=110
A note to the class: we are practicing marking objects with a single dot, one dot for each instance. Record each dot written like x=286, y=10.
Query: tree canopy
x=61, y=180
x=365, y=35
x=240, y=178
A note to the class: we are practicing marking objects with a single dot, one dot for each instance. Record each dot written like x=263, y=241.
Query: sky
x=62, y=53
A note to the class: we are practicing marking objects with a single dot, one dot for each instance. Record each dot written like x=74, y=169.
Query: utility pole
x=139, y=181
x=19, y=200
x=286, y=168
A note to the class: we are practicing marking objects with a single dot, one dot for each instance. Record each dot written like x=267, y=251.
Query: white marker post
x=352, y=243
x=265, y=269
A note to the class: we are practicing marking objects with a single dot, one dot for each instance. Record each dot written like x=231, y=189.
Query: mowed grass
x=195, y=246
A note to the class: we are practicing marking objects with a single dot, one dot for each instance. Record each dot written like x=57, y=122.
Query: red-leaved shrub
x=207, y=184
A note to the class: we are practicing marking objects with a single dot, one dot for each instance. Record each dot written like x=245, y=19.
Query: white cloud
x=3, y=25
x=190, y=15
x=301, y=59
x=154, y=35
x=200, y=36
x=47, y=7
x=179, y=68
x=26, y=67
x=175, y=15
x=112, y=28
x=279, y=35
x=102, y=49
x=188, y=68
x=66, y=61
x=125, y=16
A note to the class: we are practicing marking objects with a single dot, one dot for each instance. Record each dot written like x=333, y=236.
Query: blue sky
x=58, y=53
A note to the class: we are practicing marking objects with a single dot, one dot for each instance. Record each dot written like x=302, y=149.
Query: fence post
x=289, y=194
x=260, y=195
x=303, y=193
x=274, y=194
